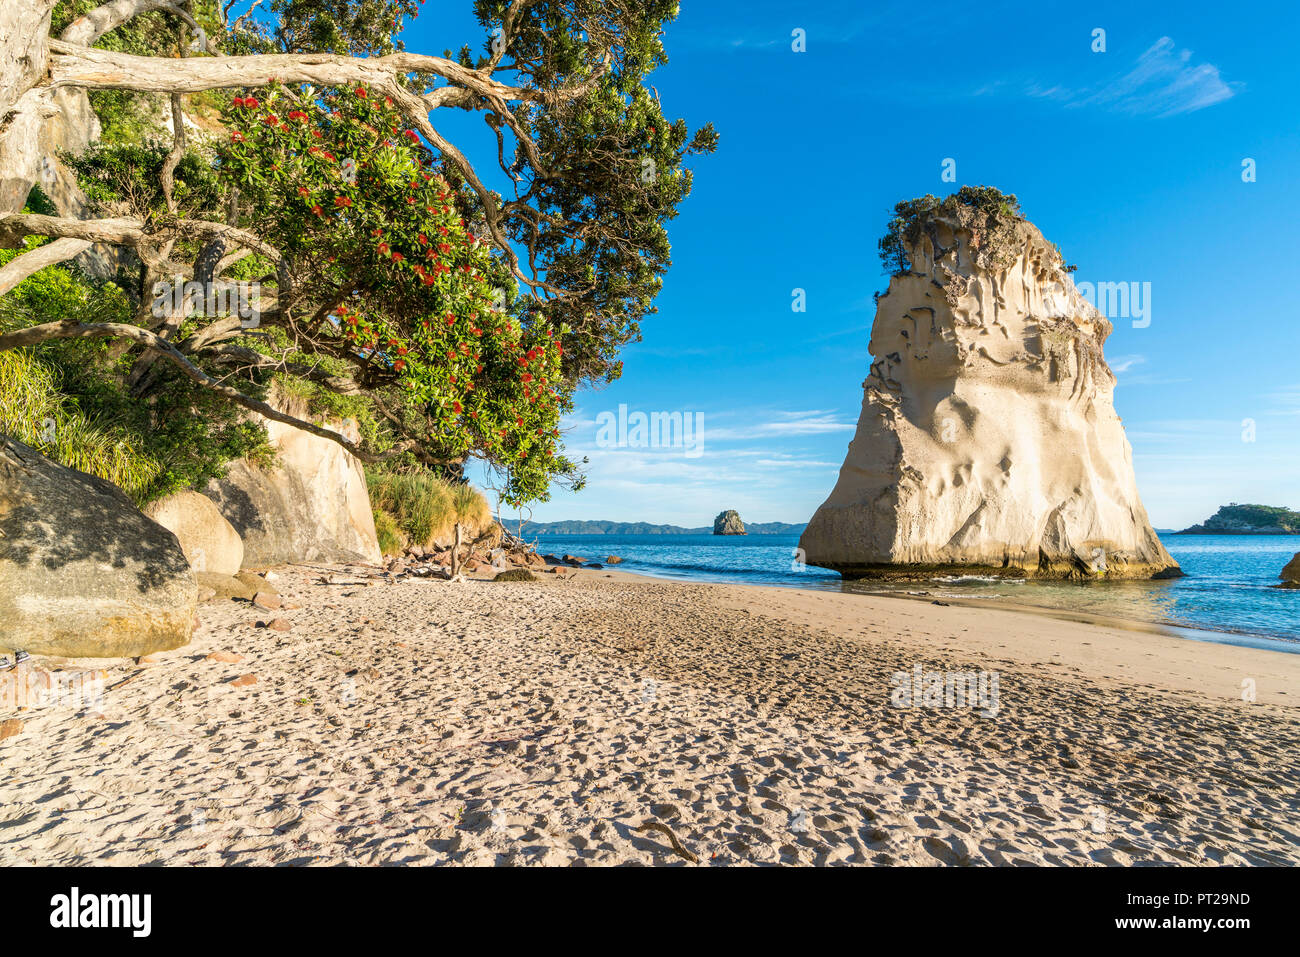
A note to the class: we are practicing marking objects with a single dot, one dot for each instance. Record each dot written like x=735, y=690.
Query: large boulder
x=988, y=440
x=209, y=541
x=312, y=506
x=1291, y=573
x=83, y=572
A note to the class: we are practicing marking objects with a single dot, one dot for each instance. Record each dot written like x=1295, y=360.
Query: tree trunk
x=24, y=106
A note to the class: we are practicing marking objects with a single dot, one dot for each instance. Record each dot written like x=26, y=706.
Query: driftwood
x=672, y=839
x=455, y=555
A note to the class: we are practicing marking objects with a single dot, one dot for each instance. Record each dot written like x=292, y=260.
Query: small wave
x=982, y=579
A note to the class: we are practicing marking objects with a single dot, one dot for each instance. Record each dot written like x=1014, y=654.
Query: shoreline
x=1218, y=636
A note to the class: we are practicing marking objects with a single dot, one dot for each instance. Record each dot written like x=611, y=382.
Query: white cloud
x=1164, y=82
x=1121, y=364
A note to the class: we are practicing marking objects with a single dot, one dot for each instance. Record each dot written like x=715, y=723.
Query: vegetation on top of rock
x=1248, y=519
x=991, y=215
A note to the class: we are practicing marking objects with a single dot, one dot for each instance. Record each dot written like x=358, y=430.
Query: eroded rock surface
x=83, y=572
x=988, y=439
x=312, y=506
x=728, y=523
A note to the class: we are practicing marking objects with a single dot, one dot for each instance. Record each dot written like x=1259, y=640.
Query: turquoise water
x=1227, y=589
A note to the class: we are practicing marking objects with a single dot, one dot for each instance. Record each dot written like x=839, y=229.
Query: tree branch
x=71, y=329
x=29, y=263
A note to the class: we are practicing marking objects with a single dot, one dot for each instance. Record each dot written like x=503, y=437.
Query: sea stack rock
x=728, y=523
x=988, y=441
x=1291, y=573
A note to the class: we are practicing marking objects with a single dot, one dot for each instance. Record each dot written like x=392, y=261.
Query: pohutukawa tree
x=466, y=305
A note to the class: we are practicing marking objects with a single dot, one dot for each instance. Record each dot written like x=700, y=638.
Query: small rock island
x=1234, y=519
x=728, y=523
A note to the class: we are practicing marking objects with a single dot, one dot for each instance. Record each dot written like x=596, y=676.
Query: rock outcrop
x=728, y=523
x=1291, y=573
x=312, y=506
x=988, y=442
x=210, y=542
x=83, y=573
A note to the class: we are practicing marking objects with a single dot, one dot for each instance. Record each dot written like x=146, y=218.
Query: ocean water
x=1226, y=594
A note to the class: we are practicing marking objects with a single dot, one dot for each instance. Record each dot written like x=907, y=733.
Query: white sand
x=477, y=723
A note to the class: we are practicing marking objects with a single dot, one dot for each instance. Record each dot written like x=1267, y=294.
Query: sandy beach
x=480, y=722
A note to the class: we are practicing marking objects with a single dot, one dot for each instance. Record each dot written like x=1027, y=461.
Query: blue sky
x=1130, y=160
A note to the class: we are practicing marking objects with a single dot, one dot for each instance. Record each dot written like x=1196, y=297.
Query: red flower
x=526, y=377
x=329, y=156
x=298, y=115
x=398, y=257
x=444, y=248
x=519, y=420
x=451, y=320
x=271, y=120
x=456, y=406
x=342, y=201
x=316, y=133
x=317, y=210
x=383, y=249
x=399, y=365
x=412, y=136
x=251, y=102
x=236, y=137
x=361, y=92
x=424, y=240
x=303, y=191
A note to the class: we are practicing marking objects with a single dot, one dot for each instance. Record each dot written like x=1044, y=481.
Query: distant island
x=641, y=528
x=1234, y=519
x=728, y=523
